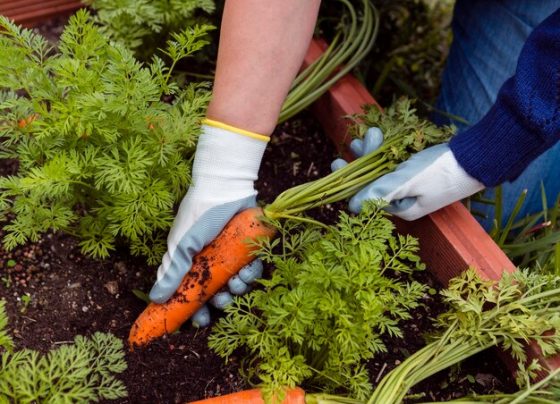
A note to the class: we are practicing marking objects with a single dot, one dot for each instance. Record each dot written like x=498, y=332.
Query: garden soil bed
x=71, y=294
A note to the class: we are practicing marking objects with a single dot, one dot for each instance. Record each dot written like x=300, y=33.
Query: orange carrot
x=254, y=396
x=22, y=123
x=211, y=270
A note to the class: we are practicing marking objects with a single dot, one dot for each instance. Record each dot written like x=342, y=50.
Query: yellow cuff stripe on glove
x=221, y=125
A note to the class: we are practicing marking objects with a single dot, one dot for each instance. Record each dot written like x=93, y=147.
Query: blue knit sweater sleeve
x=525, y=120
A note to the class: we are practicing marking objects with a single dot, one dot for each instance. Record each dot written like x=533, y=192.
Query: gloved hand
x=237, y=285
x=428, y=181
x=372, y=140
x=226, y=164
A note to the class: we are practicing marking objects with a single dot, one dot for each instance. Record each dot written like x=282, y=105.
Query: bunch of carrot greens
x=334, y=293
x=404, y=134
x=521, y=307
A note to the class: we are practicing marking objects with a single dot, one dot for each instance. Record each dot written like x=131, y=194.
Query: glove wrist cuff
x=239, y=131
x=225, y=160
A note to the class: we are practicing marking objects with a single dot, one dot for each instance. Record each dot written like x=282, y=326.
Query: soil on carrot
x=70, y=294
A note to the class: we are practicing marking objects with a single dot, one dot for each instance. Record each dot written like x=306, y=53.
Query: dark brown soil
x=52, y=29
x=73, y=295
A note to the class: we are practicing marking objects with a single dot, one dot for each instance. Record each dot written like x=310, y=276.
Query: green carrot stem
x=329, y=399
x=352, y=177
x=317, y=64
x=333, y=62
x=354, y=48
x=324, y=68
x=535, y=387
x=286, y=215
x=356, y=169
x=338, y=191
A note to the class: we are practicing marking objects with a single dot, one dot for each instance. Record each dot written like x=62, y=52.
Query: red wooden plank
x=451, y=239
x=26, y=6
x=31, y=12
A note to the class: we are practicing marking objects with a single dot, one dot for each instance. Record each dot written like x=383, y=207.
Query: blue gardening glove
x=226, y=164
x=428, y=181
x=360, y=147
x=237, y=285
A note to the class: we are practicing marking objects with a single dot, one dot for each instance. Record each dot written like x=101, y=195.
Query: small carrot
x=211, y=270
x=254, y=396
x=22, y=123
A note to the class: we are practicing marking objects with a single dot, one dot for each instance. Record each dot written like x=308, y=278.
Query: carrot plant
x=521, y=307
x=83, y=371
x=142, y=25
x=405, y=133
x=333, y=294
x=101, y=155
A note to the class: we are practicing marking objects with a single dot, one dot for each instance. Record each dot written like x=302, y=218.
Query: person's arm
x=522, y=124
x=262, y=46
x=525, y=120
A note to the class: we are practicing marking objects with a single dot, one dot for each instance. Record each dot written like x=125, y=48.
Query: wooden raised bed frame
x=451, y=239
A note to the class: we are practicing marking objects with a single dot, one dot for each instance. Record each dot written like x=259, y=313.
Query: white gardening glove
x=428, y=181
x=226, y=164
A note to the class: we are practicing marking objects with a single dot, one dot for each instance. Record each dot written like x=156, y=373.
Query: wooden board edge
x=30, y=17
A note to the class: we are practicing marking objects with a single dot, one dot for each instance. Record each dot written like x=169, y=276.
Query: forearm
x=262, y=46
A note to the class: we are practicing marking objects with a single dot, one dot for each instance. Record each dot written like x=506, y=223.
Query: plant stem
x=334, y=187
x=317, y=78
